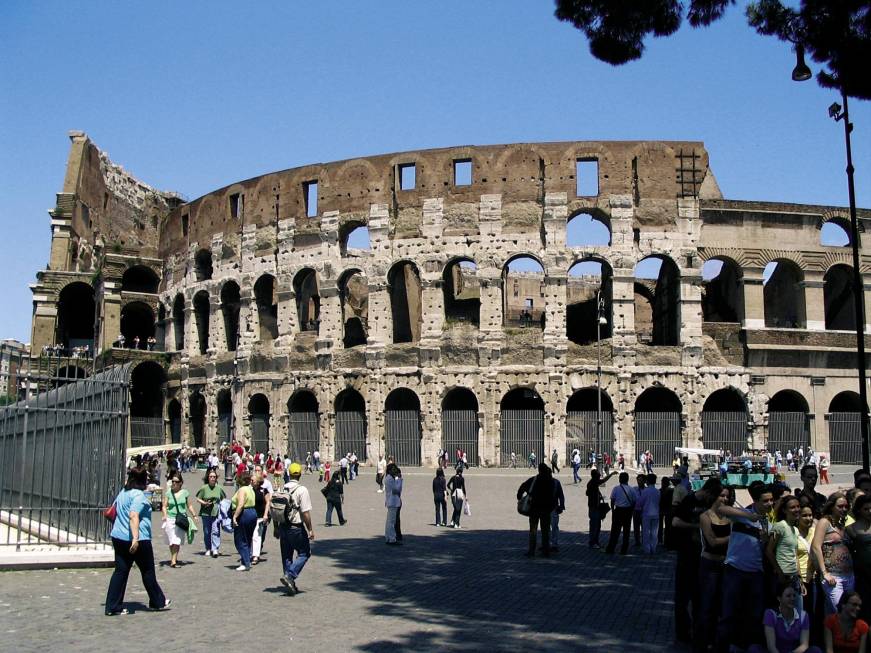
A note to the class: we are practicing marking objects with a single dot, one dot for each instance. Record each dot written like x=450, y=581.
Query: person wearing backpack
x=295, y=532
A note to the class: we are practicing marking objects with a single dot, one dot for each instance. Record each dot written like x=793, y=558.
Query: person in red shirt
x=845, y=632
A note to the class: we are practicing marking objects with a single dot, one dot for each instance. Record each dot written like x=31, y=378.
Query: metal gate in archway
x=175, y=430
x=845, y=438
x=726, y=430
x=521, y=431
x=788, y=430
x=302, y=435
x=402, y=436
x=260, y=433
x=351, y=433
x=460, y=431
x=582, y=433
x=658, y=433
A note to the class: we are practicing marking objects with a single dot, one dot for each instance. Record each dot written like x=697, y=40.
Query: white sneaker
x=242, y=568
x=379, y=491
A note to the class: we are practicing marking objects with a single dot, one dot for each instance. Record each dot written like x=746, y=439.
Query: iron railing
x=845, y=438
x=147, y=431
x=521, y=432
x=351, y=433
x=725, y=430
x=402, y=435
x=303, y=435
x=658, y=433
x=260, y=433
x=460, y=431
x=788, y=430
x=582, y=433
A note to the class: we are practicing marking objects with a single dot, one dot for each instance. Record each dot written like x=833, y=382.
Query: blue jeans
x=711, y=584
x=441, y=510
x=338, y=508
x=294, y=538
x=554, y=530
x=211, y=533
x=243, y=535
x=458, y=510
x=832, y=593
x=575, y=476
x=124, y=560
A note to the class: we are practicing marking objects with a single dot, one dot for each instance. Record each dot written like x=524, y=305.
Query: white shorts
x=174, y=535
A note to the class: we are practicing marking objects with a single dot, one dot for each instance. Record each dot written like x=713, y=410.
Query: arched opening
x=178, y=322
x=462, y=292
x=725, y=421
x=201, y=316
x=586, y=230
x=75, y=316
x=224, y=406
x=308, y=300
x=354, y=238
x=835, y=233
x=403, y=281
x=147, y=384
x=460, y=426
x=845, y=428
x=658, y=424
x=354, y=292
x=582, y=423
x=588, y=285
x=839, y=299
x=788, y=422
x=267, y=307
x=198, y=419
x=523, y=292
x=402, y=432
x=258, y=413
x=303, y=432
x=173, y=412
x=521, y=427
x=140, y=278
x=657, y=301
x=783, y=293
x=350, y=423
x=203, y=265
x=137, y=325
x=230, y=304
x=722, y=291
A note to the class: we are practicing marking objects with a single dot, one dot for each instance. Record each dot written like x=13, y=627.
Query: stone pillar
x=431, y=225
x=754, y=299
x=380, y=317
x=867, y=290
x=555, y=340
x=111, y=315
x=192, y=337
x=691, y=316
x=249, y=324
x=379, y=225
x=288, y=318
x=61, y=234
x=44, y=324
x=814, y=301
x=217, y=337
x=330, y=330
x=555, y=215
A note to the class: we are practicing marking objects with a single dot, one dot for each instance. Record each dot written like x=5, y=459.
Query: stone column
x=249, y=324
x=61, y=234
x=288, y=318
x=754, y=299
x=111, y=315
x=555, y=340
x=555, y=215
x=814, y=300
x=44, y=325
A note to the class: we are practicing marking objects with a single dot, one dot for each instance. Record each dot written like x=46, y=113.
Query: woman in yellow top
x=806, y=568
x=244, y=520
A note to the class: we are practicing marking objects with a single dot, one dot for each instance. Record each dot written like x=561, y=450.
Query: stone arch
x=783, y=294
x=203, y=265
x=404, y=286
x=76, y=310
x=658, y=424
x=267, y=307
x=835, y=231
x=137, y=322
x=308, y=299
x=660, y=282
x=304, y=424
x=202, y=312
x=588, y=228
x=462, y=291
x=354, y=237
x=582, y=307
x=839, y=298
x=231, y=303
x=722, y=290
x=583, y=426
x=845, y=428
x=197, y=413
x=354, y=295
x=460, y=424
x=178, y=321
x=173, y=413
x=523, y=291
x=788, y=421
x=258, y=414
x=725, y=421
x=351, y=426
x=402, y=430
x=141, y=279
x=521, y=426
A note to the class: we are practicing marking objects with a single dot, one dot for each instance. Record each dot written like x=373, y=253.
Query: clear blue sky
x=190, y=96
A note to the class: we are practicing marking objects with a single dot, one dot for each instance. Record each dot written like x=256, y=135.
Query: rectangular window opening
x=407, y=176
x=310, y=192
x=528, y=303
x=587, y=177
x=184, y=225
x=236, y=206
x=463, y=172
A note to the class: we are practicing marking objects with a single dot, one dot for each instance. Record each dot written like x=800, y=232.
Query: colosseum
x=501, y=299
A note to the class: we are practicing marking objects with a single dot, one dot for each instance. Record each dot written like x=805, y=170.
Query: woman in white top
x=393, y=502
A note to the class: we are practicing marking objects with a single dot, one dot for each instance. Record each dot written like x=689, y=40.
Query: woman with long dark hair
x=832, y=552
x=131, y=539
x=209, y=497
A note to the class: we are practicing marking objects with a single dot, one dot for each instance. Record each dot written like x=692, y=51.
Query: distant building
x=11, y=354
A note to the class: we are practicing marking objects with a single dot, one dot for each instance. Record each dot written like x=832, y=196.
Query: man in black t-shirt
x=808, y=494
x=594, y=498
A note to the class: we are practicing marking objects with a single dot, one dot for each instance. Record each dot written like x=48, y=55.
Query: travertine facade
x=260, y=294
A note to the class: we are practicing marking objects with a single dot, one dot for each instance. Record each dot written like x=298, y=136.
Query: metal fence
x=521, y=432
x=260, y=433
x=788, y=430
x=402, y=435
x=302, y=435
x=725, y=430
x=460, y=431
x=658, y=433
x=224, y=421
x=582, y=432
x=351, y=433
x=146, y=431
x=62, y=451
x=845, y=438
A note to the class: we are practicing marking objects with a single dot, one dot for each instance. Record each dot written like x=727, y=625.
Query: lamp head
x=835, y=111
x=801, y=72
x=603, y=321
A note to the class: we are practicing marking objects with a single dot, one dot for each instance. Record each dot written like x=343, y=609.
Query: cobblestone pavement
x=460, y=590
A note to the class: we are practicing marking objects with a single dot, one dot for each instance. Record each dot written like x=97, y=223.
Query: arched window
x=722, y=293
x=835, y=233
x=460, y=424
x=178, y=322
x=147, y=383
x=845, y=428
x=201, y=315
x=198, y=419
x=788, y=423
x=658, y=424
x=403, y=280
x=75, y=316
x=657, y=301
x=203, y=265
x=523, y=292
x=582, y=423
x=350, y=424
x=783, y=293
x=354, y=238
x=137, y=325
x=140, y=278
x=230, y=304
x=462, y=292
x=303, y=431
x=585, y=229
x=225, y=415
x=839, y=298
x=725, y=421
x=588, y=282
x=521, y=427
x=308, y=300
x=267, y=307
x=402, y=432
x=354, y=292
x=258, y=413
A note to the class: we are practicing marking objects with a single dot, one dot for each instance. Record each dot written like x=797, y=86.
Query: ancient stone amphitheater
x=464, y=297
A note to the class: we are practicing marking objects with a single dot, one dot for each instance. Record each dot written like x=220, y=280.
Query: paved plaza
x=460, y=590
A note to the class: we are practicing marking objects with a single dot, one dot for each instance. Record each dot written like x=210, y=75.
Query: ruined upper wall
x=654, y=174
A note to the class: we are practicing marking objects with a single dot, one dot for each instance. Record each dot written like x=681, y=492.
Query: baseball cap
x=295, y=468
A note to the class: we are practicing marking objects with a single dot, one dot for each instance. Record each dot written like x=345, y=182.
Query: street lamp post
x=600, y=320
